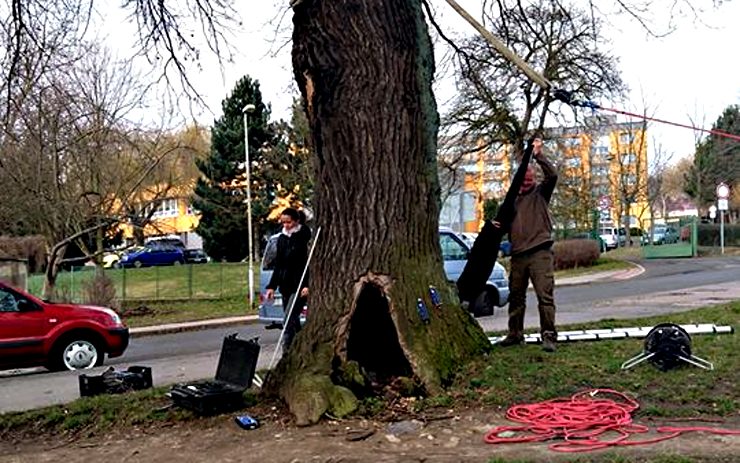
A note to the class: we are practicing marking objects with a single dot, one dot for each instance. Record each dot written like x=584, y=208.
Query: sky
x=691, y=74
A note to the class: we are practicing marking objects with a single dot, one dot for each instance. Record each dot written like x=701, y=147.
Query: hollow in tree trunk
x=365, y=70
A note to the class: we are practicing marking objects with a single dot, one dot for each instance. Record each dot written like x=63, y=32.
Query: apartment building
x=603, y=177
x=170, y=215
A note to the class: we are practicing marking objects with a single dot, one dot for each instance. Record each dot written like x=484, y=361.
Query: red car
x=58, y=336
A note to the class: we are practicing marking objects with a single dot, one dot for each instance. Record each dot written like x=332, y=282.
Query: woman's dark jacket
x=290, y=260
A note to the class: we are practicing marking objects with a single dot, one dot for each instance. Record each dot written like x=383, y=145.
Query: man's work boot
x=511, y=340
x=549, y=339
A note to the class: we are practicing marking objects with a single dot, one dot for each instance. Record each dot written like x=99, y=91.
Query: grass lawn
x=603, y=264
x=504, y=377
x=211, y=281
x=527, y=374
x=148, y=313
x=156, y=295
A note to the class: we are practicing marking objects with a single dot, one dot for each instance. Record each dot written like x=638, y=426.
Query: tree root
x=311, y=395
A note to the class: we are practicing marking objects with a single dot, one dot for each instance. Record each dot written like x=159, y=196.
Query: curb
x=624, y=274
x=191, y=326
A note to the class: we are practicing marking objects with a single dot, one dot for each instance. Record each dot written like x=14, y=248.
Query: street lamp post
x=250, y=266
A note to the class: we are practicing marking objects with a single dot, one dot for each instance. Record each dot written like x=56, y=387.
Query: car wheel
x=76, y=353
x=485, y=303
x=177, y=262
x=138, y=264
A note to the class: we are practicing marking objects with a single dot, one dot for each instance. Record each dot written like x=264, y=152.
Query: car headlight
x=115, y=318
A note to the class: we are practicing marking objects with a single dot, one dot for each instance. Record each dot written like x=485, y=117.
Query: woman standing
x=290, y=260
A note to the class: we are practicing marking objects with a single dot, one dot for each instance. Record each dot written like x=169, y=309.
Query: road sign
x=723, y=192
x=605, y=203
x=722, y=204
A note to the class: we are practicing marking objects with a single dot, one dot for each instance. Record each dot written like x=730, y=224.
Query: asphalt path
x=665, y=287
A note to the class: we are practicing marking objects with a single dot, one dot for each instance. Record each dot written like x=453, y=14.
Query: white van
x=613, y=237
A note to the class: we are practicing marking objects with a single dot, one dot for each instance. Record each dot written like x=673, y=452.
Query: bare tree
x=172, y=36
x=559, y=40
x=72, y=160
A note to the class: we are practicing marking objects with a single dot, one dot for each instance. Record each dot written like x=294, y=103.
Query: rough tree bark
x=365, y=69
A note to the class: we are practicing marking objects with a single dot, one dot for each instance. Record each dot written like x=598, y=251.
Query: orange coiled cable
x=581, y=421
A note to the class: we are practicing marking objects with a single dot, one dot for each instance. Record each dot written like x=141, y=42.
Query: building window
x=629, y=179
x=601, y=190
x=572, y=181
x=571, y=142
x=629, y=158
x=192, y=210
x=573, y=162
x=165, y=208
x=626, y=138
x=600, y=171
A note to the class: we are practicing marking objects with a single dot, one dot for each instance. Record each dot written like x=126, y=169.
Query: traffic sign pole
x=722, y=231
x=723, y=194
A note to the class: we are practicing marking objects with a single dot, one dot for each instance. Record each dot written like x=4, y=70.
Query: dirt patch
x=449, y=436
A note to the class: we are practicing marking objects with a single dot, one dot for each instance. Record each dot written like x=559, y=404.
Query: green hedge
x=709, y=234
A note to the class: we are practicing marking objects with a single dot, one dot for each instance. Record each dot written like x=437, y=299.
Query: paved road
x=666, y=286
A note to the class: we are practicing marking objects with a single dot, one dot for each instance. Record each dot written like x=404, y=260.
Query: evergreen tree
x=220, y=195
x=717, y=159
x=286, y=165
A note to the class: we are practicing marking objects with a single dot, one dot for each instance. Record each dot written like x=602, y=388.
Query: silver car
x=455, y=255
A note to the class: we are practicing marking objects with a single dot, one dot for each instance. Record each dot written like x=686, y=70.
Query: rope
x=567, y=98
x=581, y=421
x=560, y=94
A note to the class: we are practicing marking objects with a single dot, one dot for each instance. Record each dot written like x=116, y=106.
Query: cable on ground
x=582, y=421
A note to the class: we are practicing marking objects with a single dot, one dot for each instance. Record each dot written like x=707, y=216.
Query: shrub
x=575, y=253
x=29, y=248
x=100, y=290
x=709, y=234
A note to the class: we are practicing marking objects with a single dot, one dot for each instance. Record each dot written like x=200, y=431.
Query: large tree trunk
x=365, y=70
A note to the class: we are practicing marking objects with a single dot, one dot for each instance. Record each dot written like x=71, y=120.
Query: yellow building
x=170, y=214
x=602, y=167
x=469, y=177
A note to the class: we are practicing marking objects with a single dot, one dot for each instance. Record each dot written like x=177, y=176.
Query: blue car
x=455, y=255
x=148, y=256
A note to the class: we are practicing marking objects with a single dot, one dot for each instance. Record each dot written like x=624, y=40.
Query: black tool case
x=235, y=372
x=116, y=382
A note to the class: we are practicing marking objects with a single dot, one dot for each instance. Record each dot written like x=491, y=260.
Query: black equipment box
x=235, y=372
x=116, y=382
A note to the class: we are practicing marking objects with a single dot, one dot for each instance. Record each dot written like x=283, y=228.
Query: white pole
x=722, y=230
x=250, y=264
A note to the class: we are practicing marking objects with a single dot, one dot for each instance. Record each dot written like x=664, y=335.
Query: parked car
x=613, y=237
x=454, y=253
x=661, y=234
x=34, y=332
x=152, y=255
x=165, y=241
x=469, y=239
x=195, y=256
x=504, y=249
x=111, y=259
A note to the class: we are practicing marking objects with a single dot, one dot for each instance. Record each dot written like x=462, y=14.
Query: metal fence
x=677, y=239
x=179, y=282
